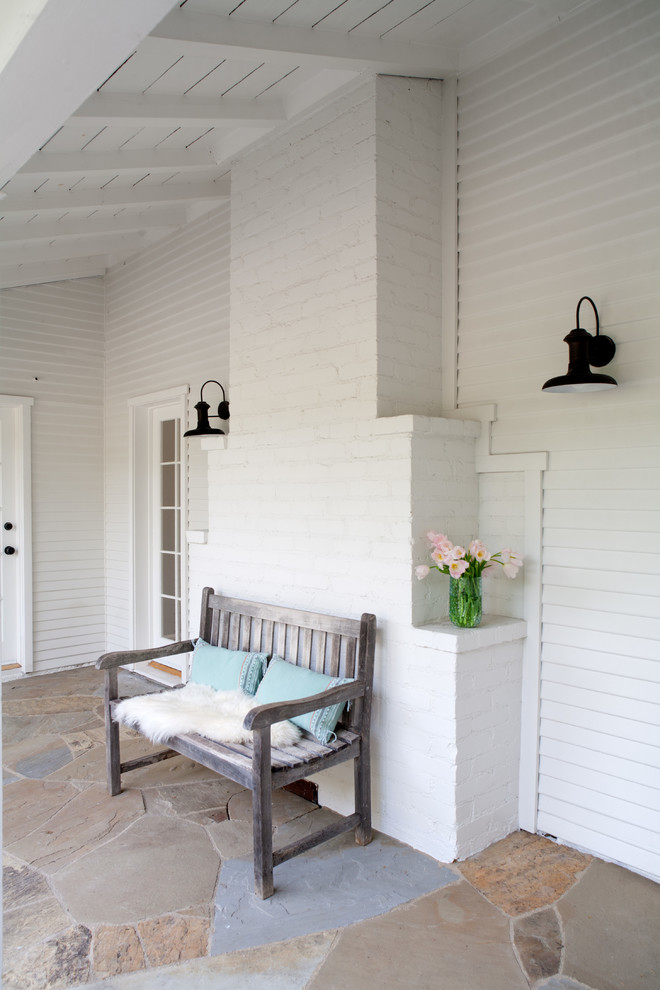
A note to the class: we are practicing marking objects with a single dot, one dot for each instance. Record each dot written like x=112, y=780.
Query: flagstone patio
x=153, y=888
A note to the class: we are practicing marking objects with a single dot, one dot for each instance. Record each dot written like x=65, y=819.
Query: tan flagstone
x=91, y=765
x=233, y=840
x=21, y=884
x=18, y=727
x=204, y=911
x=177, y=770
x=285, y=806
x=538, y=940
x=298, y=828
x=29, y=803
x=611, y=922
x=156, y=866
x=58, y=964
x=78, y=742
x=81, y=680
x=116, y=949
x=97, y=732
x=524, y=872
x=90, y=818
x=189, y=799
x=172, y=939
x=50, y=706
x=452, y=939
x=22, y=928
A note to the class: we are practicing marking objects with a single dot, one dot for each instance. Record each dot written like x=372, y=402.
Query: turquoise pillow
x=227, y=670
x=284, y=681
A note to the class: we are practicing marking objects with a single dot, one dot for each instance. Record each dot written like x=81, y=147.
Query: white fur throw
x=197, y=708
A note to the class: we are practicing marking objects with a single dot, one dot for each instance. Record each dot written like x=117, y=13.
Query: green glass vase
x=465, y=601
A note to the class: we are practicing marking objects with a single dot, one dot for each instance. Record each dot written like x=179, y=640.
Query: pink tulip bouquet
x=456, y=560
x=466, y=567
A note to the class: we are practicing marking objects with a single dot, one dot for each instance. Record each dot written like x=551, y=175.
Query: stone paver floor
x=152, y=889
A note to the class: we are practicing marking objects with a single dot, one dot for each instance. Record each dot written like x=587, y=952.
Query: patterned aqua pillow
x=284, y=681
x=227, y=670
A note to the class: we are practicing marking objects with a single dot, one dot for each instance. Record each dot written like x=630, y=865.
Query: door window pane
x=169, y=618
x=168, y=570
x=168, y=529
x=169, y=441
x=168, y=478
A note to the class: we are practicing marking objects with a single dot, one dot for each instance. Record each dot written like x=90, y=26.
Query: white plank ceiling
x=153, y=122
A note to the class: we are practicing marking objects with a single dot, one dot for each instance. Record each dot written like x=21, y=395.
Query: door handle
x=10, y=550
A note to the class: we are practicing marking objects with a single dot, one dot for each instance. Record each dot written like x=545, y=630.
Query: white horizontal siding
x=167, y=324
x=52, y=349
x=559, y=196
x=501, y=524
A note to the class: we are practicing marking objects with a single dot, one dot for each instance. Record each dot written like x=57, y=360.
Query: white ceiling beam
x=224, y=37
x=36, y=230
x=37, y=272
x=102, y=244
x=172, y=111
x=133, y=196
x=69, y=49
x=148, y=160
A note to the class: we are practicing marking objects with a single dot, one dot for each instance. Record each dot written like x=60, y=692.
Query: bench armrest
x=109, y=660
x=277, y=711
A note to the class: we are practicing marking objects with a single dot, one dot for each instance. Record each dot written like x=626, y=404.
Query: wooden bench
x=334, y=646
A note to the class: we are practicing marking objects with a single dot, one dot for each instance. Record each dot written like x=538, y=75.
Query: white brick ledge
x=449, y=638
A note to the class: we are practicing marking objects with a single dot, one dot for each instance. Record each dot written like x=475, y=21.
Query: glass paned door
x=158, y=524
x=169, y=511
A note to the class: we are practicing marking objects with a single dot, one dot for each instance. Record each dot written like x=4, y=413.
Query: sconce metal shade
x=204, y=428
x=585, y=350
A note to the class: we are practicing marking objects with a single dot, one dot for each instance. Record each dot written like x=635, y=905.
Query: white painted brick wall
x=408, y=229
x=314, y=500
x=303, y=272
x=488, y=692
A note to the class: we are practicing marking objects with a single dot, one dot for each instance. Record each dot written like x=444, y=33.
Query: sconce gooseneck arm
x=577, y=312
x=212, y=381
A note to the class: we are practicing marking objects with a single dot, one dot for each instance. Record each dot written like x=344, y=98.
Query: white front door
x=15, y=529
x=159, y=510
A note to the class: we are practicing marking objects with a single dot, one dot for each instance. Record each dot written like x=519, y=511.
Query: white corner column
x=487, y=668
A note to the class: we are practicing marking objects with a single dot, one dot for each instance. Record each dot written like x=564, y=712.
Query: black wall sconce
x=204, y=428
x=585, y=350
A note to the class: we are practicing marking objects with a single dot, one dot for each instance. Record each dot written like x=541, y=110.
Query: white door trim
x=22, y=406
x=141, y=409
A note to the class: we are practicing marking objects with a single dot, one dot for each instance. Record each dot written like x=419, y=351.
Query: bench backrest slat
x=336, y=646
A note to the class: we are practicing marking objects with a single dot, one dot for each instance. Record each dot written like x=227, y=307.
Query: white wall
x=315, y=501
x=303, y=277
x=167, y=316
x=559, y=182
x=52, y=349
x=408, y=217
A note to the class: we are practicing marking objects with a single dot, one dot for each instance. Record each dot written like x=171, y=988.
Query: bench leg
x=262, y=814
x=112, y=758
x=362, y=772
